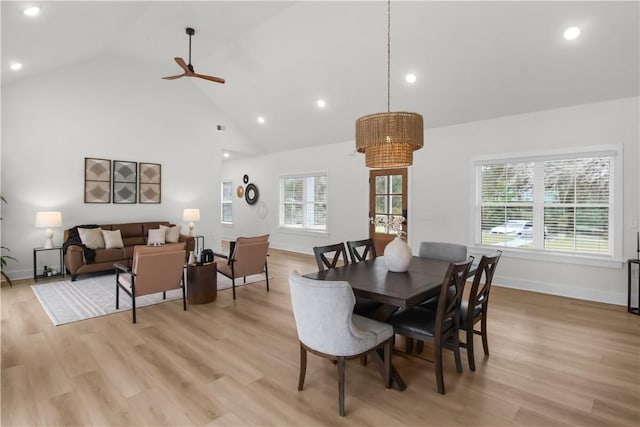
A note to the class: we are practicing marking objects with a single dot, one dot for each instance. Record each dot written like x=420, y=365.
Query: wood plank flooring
x=554, y=362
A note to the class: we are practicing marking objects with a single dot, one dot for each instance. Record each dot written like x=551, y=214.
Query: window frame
x=223, y=202
x=304, y=229
x=616, y=185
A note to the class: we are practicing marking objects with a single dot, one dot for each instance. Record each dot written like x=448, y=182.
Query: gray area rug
x=68, y=301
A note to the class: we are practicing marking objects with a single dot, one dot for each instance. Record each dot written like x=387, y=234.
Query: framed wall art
x=125, y=181
x=150, y=177
x=97, y=180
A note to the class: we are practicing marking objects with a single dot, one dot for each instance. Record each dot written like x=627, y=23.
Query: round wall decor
x=245, y=178
x=251, y=194
x=240, y=191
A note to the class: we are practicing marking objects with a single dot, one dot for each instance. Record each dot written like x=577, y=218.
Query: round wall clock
x=245, y=178
x=240, y=191
x=251, y=194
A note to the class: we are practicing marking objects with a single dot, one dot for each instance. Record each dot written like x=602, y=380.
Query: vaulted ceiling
x=473, y=60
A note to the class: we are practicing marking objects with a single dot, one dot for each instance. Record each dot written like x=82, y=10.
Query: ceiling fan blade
x=174, y=77
x=211, y=78
x=182, y=64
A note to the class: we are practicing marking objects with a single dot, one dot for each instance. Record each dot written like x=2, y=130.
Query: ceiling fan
x=188, y=68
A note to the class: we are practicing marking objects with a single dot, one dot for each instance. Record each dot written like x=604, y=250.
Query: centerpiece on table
x=397, y=253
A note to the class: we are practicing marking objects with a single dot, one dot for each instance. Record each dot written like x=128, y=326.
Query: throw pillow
x=112, y=239
x=172, y=234
x=91, y=237
x=156, y=237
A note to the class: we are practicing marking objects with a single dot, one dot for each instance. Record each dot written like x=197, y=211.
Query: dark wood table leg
x=396, y=380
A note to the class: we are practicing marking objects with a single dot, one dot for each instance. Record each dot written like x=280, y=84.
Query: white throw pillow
x=156, y=236
x=112, y=239
x=92, y=237
x=172, y=234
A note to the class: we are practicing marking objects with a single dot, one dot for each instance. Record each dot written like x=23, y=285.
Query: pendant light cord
x=388, y=56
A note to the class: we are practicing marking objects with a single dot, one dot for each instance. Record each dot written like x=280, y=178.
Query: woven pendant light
x=389, y=139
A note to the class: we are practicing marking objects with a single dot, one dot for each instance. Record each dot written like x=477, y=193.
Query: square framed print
x=125, y=180
x=150, y=178
x=97, y=180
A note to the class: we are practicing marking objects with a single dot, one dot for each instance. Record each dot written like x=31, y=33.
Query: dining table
x=371, y=279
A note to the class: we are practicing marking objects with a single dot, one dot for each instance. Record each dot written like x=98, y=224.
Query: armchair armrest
x=121, y=267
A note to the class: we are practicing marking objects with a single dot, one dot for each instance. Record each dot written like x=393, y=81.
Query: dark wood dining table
x=371, y=279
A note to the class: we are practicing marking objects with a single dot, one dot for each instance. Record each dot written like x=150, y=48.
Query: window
x=226, y=206
x=556, y=203
x=303, y=202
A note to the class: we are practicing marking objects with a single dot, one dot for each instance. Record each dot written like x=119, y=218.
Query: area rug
x=68, y=301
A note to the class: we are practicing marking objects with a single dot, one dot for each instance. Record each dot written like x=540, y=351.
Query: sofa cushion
x=91, y=237
x=109, y=255
x=156, y=236
x=146, y=226
x=172, y=234
x=132, y=241
x=112, y=239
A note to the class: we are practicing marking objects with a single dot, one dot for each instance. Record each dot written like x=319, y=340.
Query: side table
x=36, y=251
x=630, y=309
x=202, y=283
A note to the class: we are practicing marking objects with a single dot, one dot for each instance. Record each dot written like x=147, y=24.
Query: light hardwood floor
x=554, y=361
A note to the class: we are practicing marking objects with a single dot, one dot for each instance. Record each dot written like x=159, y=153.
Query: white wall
x=51, y=123
x=441, y=194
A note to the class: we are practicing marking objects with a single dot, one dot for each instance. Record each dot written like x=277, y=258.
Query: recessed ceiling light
x=225, y=155
x=16, y=66
x=410, y=78
x=261, y=120
x=571, y=33
x=32, y=11
x=321, y=103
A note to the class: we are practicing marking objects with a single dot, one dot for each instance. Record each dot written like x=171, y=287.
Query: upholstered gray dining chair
x=327, y=327
x=452, y=252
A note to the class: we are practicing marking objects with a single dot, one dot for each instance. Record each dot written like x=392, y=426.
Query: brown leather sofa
x=133, y=233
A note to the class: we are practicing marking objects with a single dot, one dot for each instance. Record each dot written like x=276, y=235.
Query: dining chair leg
x=388, y=350
x=456, y=351
x=469, y=346
x=408, y=345
x=303, y=367
x=439, y=374
x=341, y=381
x=483, y=325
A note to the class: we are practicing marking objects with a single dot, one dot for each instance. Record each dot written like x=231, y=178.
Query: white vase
x=397, y=255
x=192, y=258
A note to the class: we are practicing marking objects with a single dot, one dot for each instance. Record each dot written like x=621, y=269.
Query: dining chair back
x=441, y=327
x=154, y=269
x=475, y=309
x=329, y=256
x=327, y=327
x=361, y=250
x=452, y=252
x=249, y=257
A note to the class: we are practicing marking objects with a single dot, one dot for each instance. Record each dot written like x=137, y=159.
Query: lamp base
x=48, y=244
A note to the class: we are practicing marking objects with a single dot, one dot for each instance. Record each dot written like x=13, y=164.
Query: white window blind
x=226, y=204
x=562, y=204
x=303, y=202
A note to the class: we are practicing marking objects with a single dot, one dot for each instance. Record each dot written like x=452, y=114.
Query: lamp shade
x=389, y=139
x=191, y=215
x=48, y=219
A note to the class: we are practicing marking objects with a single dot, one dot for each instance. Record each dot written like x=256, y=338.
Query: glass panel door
x=387, y=200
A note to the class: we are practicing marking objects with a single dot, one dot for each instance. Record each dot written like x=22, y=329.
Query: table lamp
x=48, y=219
x=191, y=215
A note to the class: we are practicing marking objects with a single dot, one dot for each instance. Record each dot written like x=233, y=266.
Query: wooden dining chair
x=330, y=256
x=339, y=336
x=474, y=310
x=361, y=250
x=364, y=306
x=441, y=327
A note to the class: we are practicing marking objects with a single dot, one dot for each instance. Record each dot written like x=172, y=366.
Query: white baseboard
x=617, y=298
